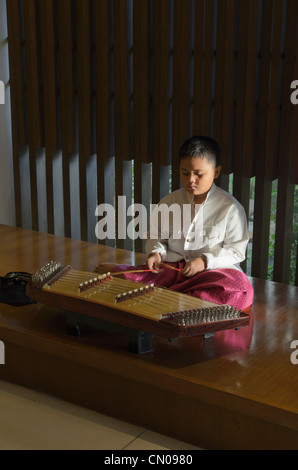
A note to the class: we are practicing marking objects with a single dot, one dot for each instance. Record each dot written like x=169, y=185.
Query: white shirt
x=217, y=229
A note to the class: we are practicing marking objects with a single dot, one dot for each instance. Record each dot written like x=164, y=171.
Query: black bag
x=13, y=288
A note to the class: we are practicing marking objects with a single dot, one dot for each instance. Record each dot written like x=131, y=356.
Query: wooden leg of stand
x=139, y=341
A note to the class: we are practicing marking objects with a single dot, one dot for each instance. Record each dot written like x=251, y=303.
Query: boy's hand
x=194, y=266
x=153, y=261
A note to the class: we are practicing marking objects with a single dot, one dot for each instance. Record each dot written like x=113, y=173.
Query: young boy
x=220, y=219
x=206, y=247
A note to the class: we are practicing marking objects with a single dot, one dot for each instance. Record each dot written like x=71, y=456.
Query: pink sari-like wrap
x=221, y=286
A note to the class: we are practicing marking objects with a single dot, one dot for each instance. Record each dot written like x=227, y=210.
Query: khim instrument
x=142, y=310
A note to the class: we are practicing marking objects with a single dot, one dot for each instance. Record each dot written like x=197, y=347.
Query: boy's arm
x=156, y=246
x=157, y=239
x=153, y=261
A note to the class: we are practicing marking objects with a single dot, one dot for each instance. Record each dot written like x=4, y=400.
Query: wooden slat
x=121, y=99
x=49, y=100
x=181, y=93
x=284, y=226
x=274, y=92
x=140, y=99
x=49, y=73
x=197, y=68
x=141, y=80
x=16, y=97
x=66, y=75
x=241, y=186
x=66, y=102
x=160, y=92
x=140, y=92
x=219, y=76
x=121, y=103
x=239, y=142
x=294, y=142
x=33, y=188
x=296, y=271
x=102, y=77
x=262, y=187
x=223, y=104
x=49, y=189
x=84, y=104
x=35, y=120
x=16, y=69
x=294, y=145
x=83, y=76
x=285, y=194
x=228, y=89
x=250, y=91
x=208, y=56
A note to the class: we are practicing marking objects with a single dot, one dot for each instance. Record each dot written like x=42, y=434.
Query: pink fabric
x=222, y=286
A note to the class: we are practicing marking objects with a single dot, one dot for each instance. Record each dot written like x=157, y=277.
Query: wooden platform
x=237, y=390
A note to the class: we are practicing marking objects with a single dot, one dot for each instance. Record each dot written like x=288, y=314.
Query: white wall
x=7, y=214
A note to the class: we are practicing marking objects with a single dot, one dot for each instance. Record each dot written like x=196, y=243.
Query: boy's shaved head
x=201, y=146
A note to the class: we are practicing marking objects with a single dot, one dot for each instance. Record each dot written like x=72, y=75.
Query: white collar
x=191, y=198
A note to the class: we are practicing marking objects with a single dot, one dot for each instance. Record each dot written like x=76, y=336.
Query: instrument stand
x=208, y=335
x=139, y=341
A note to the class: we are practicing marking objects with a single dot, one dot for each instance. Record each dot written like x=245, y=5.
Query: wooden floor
x=237, y=390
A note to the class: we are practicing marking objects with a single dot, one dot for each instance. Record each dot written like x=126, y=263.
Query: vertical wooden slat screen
x=123, y=83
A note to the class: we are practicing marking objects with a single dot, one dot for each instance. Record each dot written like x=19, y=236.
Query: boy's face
x=197, y=176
